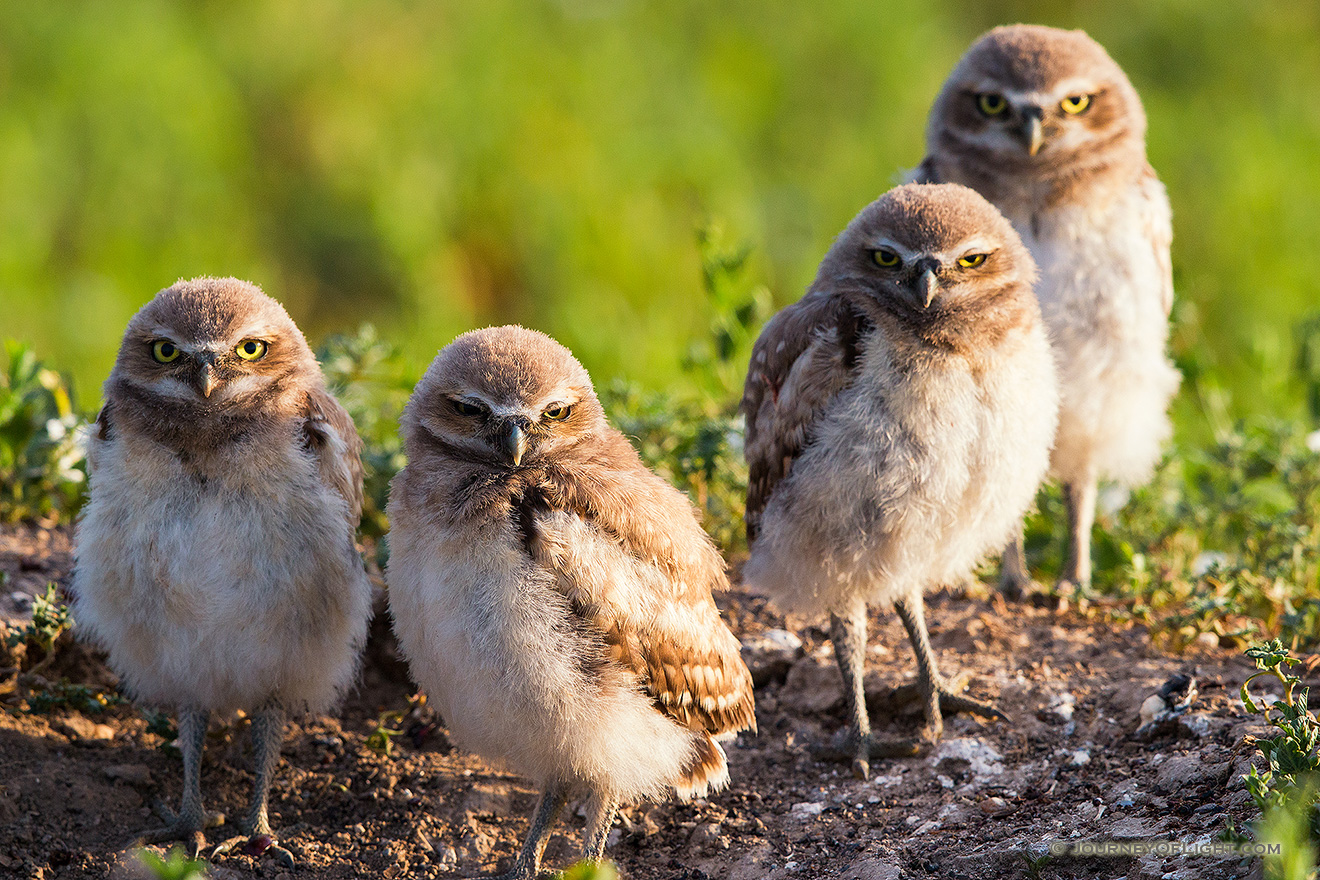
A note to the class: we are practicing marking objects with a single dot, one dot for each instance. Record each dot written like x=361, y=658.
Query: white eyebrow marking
x=906, y=254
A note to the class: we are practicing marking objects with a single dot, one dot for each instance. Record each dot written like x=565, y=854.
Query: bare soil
x=76, y=785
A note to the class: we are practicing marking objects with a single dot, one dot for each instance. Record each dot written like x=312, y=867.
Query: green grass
x=434, y=167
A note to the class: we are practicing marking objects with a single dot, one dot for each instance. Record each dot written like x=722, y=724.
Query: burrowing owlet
x=215, y=557
x=899, y=420
x=552, y=594
x=1046, y=126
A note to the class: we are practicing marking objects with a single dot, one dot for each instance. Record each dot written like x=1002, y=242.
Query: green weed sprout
x=50, y=619
x=381, y=740
x=1286, y=790
x=177, y=866
x=588, y=870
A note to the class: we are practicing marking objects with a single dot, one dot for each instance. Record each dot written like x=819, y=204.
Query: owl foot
x=952, y=704
x=523, y=872
x=1015, y=588
x=186, y=827
x=848, y=748
x=257, y=845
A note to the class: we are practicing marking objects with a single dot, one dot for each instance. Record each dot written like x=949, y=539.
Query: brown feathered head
x=937, y=259
x=504, y=396
x=1037, y=99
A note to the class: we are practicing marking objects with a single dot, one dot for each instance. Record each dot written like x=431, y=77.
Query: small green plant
x=1036, y=864
x=42, y=468
x=1289, y=828
x=1221, y=541
x=50, y=619
x=81, y=697
x=1291, y=757
x=176, y=866
x=1286, y=790
x=372, y=380
x=381, y=740
x=589, y=870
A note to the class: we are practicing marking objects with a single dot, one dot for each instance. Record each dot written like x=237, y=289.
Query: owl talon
x=1015, y=589
x=896, y=748
x=187, y=832
x=952, y=704
x=256, y=845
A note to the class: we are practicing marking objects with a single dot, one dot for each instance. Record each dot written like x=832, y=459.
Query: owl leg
x=187, y=825
x=528, y=866
x=1080, y=497
x=849, y=636
x=1014, y=579
x=936, y=695
x=267, y=734
x=601, y=810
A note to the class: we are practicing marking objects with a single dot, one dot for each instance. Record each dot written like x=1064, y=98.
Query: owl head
x=1033, y=98
x=505, y=397
x=210, y=346
x=937, y=259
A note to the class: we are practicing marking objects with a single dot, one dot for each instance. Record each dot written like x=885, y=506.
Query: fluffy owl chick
x=1046, y=126
x=215, y=560
x=553, y=595
x=899, y=419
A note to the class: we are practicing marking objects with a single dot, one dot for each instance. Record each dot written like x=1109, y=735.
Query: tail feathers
x=707, y=773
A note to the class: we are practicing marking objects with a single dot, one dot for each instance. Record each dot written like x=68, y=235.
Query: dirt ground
x=75, y=787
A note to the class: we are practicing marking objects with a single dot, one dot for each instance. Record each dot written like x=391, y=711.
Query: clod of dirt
x=770, y=654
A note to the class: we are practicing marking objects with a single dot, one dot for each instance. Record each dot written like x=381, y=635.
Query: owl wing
x=656, y=621
x=102, y=435
x=924, y=173
x=805, y=355
x=1157, y=224
x=329, y=434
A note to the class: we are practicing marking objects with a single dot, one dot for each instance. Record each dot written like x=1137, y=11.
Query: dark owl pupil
x=250, y=347
x=166, y=350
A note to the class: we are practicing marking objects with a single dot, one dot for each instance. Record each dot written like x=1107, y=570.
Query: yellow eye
x=558, y=413
x=164, y=351
x=971, y=260
x=991, y=104
x=251, y=349
x=1074, y=104
x=885, y=257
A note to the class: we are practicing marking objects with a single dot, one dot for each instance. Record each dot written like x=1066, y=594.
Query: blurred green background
x=432, y=167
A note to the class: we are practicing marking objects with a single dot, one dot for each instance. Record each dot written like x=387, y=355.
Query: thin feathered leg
x=267, y=730
x=849, y=636
x=601, y=810
x=1014, y=579
x=188, y=824
x=1080, y=497
x=934, y=692
x=528, y=865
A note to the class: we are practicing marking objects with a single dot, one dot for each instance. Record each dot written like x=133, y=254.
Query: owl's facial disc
x=515, y=431
x=921, y=277
x=214, y=372
x=915, y=274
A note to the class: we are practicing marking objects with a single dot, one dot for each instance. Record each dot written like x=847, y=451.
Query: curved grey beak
x=514, y=441
x=207, y=381
x=1033, y=134
x=925, y=285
